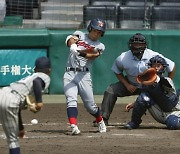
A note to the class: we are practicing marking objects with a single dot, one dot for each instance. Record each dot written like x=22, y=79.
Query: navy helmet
x=42, y=63
x=97, y=24
x=158, y=59
x=173, y=122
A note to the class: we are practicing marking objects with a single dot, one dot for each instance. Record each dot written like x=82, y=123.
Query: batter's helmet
x=42, y=63
x=97, y=24
x=172, y=122
x=139, y=39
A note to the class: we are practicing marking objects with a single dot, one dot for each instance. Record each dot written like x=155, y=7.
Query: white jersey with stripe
x=25, y=85
x=84, y=43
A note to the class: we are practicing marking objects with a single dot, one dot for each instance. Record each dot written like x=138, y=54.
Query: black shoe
x=131, y=125
x=105, y=121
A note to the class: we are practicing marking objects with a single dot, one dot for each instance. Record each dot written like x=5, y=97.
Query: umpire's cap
x=137, y=38
x=42, y=63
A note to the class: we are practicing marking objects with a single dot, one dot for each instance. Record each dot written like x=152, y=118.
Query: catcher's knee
x=173, y=122
x=144, y=100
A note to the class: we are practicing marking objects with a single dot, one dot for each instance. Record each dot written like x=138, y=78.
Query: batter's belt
x=83, y=69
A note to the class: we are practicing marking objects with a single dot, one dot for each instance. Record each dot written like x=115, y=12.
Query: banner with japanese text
x=17, y=63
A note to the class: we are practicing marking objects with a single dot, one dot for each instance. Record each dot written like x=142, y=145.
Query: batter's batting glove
x=98, y=50
x=74, y=49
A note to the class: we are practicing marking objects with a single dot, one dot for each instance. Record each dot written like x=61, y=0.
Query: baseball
x=34, y=121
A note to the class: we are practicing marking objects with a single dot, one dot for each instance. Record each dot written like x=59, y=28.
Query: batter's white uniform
x=12, y=98
x=79, y=82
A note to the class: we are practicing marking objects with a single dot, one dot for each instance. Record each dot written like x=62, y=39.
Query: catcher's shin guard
x=178, y=92
x=140, y=107
x=107, y=105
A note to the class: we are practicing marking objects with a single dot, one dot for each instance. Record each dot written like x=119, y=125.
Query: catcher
x=15, y=97
x=159, y=96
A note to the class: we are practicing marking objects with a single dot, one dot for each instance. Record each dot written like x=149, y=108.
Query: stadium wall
x=116, y=41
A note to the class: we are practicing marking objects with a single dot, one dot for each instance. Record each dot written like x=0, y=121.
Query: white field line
x=60, y=136
x=139, y=135
x=86, y=123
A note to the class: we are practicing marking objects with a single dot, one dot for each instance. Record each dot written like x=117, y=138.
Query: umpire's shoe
x=75, y=130
x=131, y=125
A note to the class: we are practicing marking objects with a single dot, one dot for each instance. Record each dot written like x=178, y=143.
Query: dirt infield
x=52, y=134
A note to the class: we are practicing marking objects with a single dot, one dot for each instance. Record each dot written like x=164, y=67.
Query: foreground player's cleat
x=131, y=125
x=101, y=127
x=75, y=130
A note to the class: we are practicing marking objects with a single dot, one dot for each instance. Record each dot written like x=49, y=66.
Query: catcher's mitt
x=31, y=103
x=148, y=77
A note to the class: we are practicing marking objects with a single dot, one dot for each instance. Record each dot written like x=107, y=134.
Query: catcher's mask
x=42, y=64
x=137, y=45
x=97, y=24
x=158, y=60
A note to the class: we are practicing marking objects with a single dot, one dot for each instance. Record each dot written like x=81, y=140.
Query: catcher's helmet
x=42, y=63
x=158, y=59
x=137, y=45
x=97, y=24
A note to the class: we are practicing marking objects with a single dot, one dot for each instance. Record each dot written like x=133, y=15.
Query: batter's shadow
x=50, y=131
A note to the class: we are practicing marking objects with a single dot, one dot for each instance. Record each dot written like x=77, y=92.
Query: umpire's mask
x=137, y=45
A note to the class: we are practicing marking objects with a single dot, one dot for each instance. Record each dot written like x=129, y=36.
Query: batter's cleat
x=102, y=126
x=95, y=124
x=75, y=130
x=131, y=125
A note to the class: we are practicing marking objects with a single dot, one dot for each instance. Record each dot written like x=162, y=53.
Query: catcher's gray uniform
x=12, y=100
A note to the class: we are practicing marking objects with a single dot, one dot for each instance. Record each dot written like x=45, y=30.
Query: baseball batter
x=12, y=101
x=160, y=98
x=84, y=49
x=126, y=67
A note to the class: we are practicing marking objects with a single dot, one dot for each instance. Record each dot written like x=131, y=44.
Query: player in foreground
x=84, y=49
x=158, y=96
x=14, y=97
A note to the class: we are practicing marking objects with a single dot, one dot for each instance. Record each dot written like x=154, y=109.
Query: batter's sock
x=72, y=115
x=98, y=119
x=14, y=151
x=73, y=121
